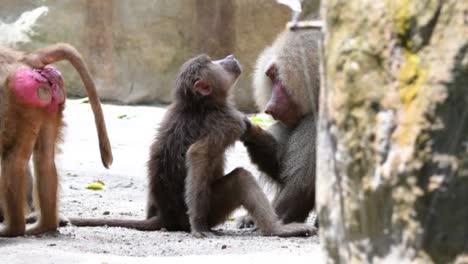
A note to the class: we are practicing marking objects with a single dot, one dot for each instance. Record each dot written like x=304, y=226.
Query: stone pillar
x=393, y=132
x=100, y=48
x=215, y=32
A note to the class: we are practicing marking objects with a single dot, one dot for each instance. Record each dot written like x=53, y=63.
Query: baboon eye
x=272, y=72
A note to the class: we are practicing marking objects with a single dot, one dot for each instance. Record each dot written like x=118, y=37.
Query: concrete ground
x=131, y=130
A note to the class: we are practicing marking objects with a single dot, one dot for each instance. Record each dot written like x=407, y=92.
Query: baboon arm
x=203, y=160
x=263, y=150
x=197, y=189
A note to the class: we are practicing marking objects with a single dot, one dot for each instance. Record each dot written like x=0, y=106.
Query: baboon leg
x=224, y=197
x=46, y=177
x=13, y=179
x=33, y=216
x=238, y=188
x=287, y=206
x=14, y=192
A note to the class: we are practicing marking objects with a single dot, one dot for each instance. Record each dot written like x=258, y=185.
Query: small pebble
x=106, y=213
x=223, y=247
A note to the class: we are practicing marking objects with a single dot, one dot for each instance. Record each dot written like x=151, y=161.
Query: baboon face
x=232, y=70
x=203, y=79
x=281, y=105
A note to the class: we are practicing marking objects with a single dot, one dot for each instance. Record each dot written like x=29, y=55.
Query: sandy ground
x=132, y=129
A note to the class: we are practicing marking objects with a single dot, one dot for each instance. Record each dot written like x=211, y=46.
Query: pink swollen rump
x=39, y=87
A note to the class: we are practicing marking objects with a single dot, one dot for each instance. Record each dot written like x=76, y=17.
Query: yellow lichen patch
x=411, y=78
x=410, y=124
x=409, y=70
x=402, y=14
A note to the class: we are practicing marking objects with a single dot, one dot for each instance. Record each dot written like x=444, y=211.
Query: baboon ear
x=202, y=87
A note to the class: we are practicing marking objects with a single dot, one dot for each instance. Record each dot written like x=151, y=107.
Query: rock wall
x=135, y=48
x=393, y=132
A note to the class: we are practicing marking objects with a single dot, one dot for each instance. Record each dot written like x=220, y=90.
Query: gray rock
x=392, y=173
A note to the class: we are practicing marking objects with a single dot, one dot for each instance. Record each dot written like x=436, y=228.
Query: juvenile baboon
x=286, y=85
x=188, y=190
x=32, y=99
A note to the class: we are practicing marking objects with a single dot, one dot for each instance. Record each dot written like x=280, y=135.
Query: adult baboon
x=286, y=85
x=32, y=99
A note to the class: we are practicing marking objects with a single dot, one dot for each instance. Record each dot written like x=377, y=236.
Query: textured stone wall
x=135, y=48
x=393, y=132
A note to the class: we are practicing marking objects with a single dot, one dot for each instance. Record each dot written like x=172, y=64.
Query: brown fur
x=29, y=206
x=285, y=154
x=26, y=131
x=188, y=190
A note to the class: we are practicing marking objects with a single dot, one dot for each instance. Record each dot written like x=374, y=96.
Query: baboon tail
x=151, y=224
x=63, y=51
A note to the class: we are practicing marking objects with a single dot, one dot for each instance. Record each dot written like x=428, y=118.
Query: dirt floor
x=132, y=128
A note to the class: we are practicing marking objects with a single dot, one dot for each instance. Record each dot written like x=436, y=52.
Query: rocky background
x=135, y=48
x=392, y=162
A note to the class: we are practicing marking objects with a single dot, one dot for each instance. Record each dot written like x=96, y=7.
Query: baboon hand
x=245, y=221
x=247, y=125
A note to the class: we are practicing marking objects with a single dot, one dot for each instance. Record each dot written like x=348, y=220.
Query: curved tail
x=63, y=51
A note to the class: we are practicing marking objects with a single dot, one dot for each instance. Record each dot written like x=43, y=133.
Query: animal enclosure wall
x=135, y=50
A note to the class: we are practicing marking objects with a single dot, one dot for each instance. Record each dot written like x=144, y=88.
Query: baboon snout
x=270, y=109
x=282, y=106
x=231, y=64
